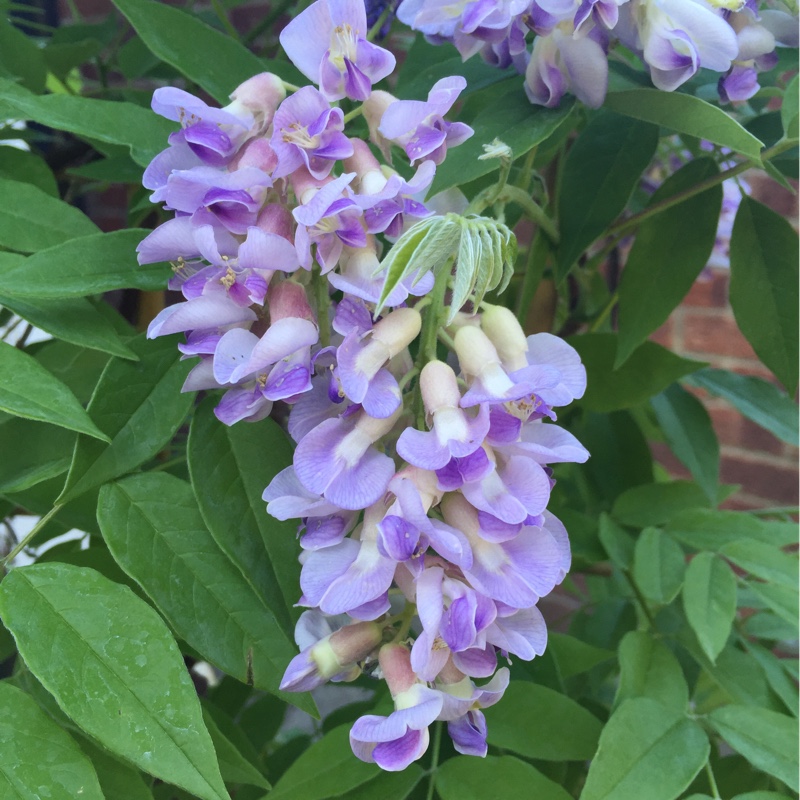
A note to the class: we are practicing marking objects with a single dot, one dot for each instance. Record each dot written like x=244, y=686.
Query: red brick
x=664, y=335
x=709, y=292
x=735, y=430
x=714, y=333
x=776, y=481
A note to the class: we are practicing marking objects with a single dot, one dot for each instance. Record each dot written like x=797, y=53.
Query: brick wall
x=703, y=327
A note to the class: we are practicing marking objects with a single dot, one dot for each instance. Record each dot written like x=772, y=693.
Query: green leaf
x=182, y=40
x=768, y=625
x=233, y=766
x=87, y=265
x=512, y=119
x=31, y=220
x=789, y=109
x=777, y=676
x=601, y=171
x=20, y=165
x=114, y=668
x=387, y=786
x=494, y=778
x=783, y=600
x=763, y=288
x=569, y=734
x=109, y=121
x=229, y=472
x=761, y=796
x=684, y=113
x=73, y=319
x=62, y=57
x=658, y=566
x=649, y=669
x=687, y=427
x=47, y=452
x=155, y=532
x=138, y=405
x=704, y=529
x=657, y=503
x=574, y=656
x=326, y=769
x=35, y=393
x=668, y=254
x=38, y=758
x=734, y=678
x=762, y=560
x=709, y=600
x=616, y=541
x=647, y=752
x=648, y=371
x=769, y=741
x=21, y=56
x=757, y=399
x=117, y=779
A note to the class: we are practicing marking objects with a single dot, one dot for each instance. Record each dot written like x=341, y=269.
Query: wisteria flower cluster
x=573, y=38
x=421, y=488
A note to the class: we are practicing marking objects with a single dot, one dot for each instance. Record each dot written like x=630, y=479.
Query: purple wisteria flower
x=327, y=43
x=308, y=132
x=419, y=126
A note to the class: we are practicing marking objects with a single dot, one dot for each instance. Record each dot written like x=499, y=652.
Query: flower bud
x=439, y=387
x=362, y=161
x=395, y=661
x=374, y=107
x=506, y=334
x=397, y=330
x=256, y=153
x=288, y=299
x=276, y=218
x=260, y=95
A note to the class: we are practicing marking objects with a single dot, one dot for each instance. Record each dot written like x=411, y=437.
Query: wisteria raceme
x=420, y=485
x=572, y=39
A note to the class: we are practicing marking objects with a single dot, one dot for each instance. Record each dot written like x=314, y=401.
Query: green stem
x=376, y=28
x=351, y=115
x=223, y=18
x=446, y=340
x=640, y=599
x=27, y=539
x=323, y=302
x=437, y=743
x=405, y=622
x=534, y=211
x=603, y=315
x=712, y=781
x=534, y=269
x=637, y=219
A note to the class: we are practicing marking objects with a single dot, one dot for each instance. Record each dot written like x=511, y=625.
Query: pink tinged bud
x=277, y=219
x=373, y=109
x=459, y=512
x=305, y=185
x=439, y=387
x=260, y=95
x=395, y=661
x=354, y=642
x=362, y=161
x=288, y=299
x=373, y=429
x=451, y=676
x=479, y=359
x=506, y=334
x=256, y=153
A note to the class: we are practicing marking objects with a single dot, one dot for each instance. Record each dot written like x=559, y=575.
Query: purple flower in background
x=307, y=132
x=327, y=43
x=563, y=62
x=419, y=127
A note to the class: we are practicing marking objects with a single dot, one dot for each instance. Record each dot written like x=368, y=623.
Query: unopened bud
x=256, y=153
x=506, y=334
x=474, y=350
x=439, y=387
x=395, y=661
x=354, y=642
x=373, y=109
x=261, y=95
x=362, y=161
x=276, y=218
x=288, y=299
x=397, y=330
